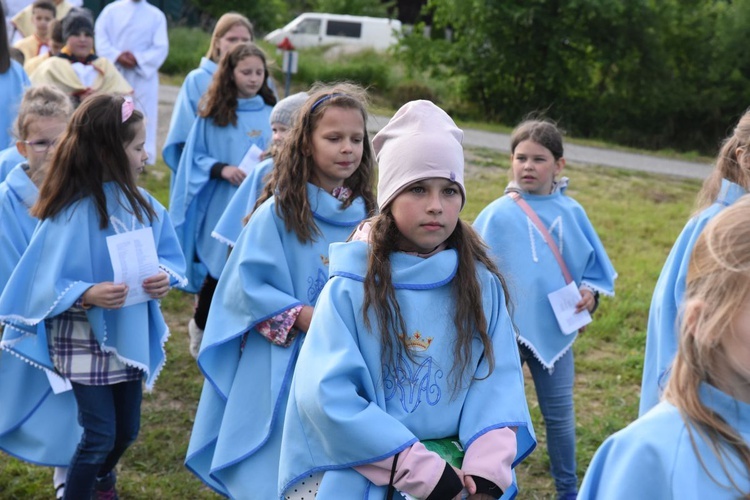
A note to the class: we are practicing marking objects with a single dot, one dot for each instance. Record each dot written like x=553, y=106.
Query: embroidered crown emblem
x=255, y=133
x=417, y=341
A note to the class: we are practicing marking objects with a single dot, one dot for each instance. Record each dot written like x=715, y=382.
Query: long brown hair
x=220, y=102
x=469, y=318
x=295, y=166
x=225, y=23
x=90, y=153
x=728, y=165
x=718, y=284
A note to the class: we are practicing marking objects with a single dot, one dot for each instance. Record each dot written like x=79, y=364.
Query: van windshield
x=308, y=27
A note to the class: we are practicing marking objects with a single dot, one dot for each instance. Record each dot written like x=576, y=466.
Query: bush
x=409, y=90
x=368, y=68
x=186, y=47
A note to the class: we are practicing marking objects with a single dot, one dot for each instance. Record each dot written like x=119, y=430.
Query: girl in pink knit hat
x=410, y=378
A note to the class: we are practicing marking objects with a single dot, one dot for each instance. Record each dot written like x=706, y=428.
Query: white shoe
x=196, y=337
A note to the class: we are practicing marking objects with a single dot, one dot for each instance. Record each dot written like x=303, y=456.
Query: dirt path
x=501, y=142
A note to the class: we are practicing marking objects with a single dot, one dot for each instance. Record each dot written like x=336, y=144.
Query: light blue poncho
x=234, y=446
x=13, y=83
x=347, y=409
x=654, y=457
x=68, y=254
x=185, y=111
x=243, y=202
x=531, y=269
x=197, y=201
x=661, y=337
x=35, y=424
x=9, y=158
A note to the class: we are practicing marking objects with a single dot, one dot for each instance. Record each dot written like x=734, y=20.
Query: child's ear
x=742, y=157
x=21, y=147
x=559, y=165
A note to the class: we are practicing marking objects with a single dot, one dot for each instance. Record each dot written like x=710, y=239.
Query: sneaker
x=196, y=337
x=60, y=491
x=104, y=488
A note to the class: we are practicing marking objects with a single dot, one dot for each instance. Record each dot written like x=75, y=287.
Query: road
x=501, y=142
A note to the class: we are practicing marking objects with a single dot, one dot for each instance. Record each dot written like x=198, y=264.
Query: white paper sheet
x=251, y=158
x=133, y=256
x=58, y=384
x=564, y=302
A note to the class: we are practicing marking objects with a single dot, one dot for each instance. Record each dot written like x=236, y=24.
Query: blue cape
x=352, y=410
x=243, y=202
x=49, y=279
x=185, y=111
x=234, y=446
x=654, y=458
x=36, y=425
x=663, y=316
x=13, y=84
x=9, y=158
x=532, y=270
x=197, y=201
x=17, y=195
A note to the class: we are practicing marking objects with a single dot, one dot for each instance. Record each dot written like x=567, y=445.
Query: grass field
x=638, y=217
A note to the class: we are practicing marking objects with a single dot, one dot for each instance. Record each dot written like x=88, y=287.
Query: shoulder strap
x=545, y=234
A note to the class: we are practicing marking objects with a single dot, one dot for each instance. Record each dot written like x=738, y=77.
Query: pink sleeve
x=491, y=455
x=418, y=471
x=279, y=329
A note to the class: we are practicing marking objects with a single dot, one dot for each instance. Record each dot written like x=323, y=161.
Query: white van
x=316, y=28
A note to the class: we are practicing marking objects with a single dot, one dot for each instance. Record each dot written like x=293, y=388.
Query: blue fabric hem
x=274, y=416
x=28, y=416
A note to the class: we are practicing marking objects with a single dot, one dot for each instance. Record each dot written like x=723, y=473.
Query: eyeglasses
x=40, y=146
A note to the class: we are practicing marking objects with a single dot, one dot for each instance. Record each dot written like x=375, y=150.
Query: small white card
x=251, y=158
x=58, y=384
x=563, y=303
x=133, y=256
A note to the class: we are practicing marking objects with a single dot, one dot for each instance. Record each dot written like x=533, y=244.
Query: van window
x=344, y=28
x=308, y=27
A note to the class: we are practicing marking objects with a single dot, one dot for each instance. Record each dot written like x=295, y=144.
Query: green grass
x=638, y=217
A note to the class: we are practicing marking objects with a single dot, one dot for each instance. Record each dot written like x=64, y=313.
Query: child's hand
x=157, y=286
x=107, y=295
x=471, y=487
x=233, y=174
x=587, y=301
x=304, y=317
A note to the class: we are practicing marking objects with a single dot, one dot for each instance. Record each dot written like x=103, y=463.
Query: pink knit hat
x=420, y=141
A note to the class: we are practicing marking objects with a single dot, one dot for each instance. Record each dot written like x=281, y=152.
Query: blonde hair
x=718, y=283
x=728, y=166
x=224, y=24
x=42, y=101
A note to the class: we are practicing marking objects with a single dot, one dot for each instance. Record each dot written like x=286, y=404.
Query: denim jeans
x=554, y=391
x=110, y=416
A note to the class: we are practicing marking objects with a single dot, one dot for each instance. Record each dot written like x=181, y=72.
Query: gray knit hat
x=77, y=20
x=420, y=142
x=286, y=109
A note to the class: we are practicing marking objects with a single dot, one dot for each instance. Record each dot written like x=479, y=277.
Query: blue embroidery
x=413, y=385
x=316, y=285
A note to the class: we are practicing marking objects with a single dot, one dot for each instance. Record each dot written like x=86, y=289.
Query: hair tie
x=322, y=100
x=127, y=108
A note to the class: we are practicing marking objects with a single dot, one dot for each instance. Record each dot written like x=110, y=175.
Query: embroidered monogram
x=556, y=226
x=413, y=383
x=316, y=285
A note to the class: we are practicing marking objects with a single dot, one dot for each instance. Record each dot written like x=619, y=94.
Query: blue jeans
x=111, y=417
x=555, y=395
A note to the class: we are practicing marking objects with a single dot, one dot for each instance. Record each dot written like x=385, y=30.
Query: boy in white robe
x=133, y=34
